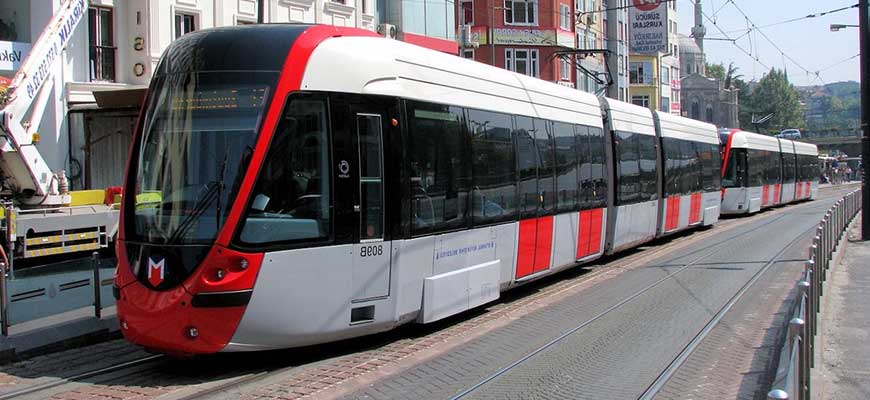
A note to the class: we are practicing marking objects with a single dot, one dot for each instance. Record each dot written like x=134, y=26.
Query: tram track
x=720, y=246
x=717, y=248
x=681, y=358
x=251, y=377
x=44, y=386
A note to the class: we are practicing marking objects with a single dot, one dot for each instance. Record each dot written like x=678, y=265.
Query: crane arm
x=22, y=166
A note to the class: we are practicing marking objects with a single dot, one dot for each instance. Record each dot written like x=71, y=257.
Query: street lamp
x=837, y=27
x=491, y=37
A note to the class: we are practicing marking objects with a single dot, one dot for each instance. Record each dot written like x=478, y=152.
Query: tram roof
x=787, y=146
x=379, y=66
x=806, y=149
x=677, y=127
x=628, y=117
x=749, y=140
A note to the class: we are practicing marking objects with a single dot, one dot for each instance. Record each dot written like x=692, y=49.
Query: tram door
x=372, y=253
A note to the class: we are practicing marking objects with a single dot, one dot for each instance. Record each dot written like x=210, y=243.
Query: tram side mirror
x=260, y=202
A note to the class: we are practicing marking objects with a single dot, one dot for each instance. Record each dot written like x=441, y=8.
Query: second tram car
x=318, y=192
x=762, y=171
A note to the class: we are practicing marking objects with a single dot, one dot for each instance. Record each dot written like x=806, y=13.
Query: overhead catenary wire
x=814, y=15
x=841, y=62
x=733, y=41
x=764, y=35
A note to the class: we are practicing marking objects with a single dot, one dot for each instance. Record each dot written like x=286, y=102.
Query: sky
x=809, y=42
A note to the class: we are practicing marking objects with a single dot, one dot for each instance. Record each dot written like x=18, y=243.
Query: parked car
x=789, y=134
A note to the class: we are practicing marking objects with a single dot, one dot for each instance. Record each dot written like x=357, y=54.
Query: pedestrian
x=848, y=173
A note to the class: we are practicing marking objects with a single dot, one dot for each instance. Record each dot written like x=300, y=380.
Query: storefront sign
x=526, y=37
x=649, y=26
x=676, y=84
x=39, y=68
x=12, y=54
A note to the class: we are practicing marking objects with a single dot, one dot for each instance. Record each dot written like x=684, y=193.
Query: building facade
x=705, y=98
x=591, y=29
x=616, y=42
x=96, y=88
x=654, y=77
x=523, y=36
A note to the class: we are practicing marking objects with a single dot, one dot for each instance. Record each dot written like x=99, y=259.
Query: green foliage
x=716, y=71
x=835, y=106
x=773, y=95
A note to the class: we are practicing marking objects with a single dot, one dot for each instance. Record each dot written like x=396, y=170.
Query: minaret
x=699, y=31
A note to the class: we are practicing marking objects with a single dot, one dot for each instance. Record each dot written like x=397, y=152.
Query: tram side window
x=292, y=197
x=597, y=158
x=547, y=169
x=772, y=167
x=584, y=161
x=567, y=167
x=628, y=190
x=735, y=169
x=527, y=163
x=493, y=167
x=757, y=168
x=439, y=172
x=713, y=169
x=693, y=170
x=673, y=163
x=648, y=167
x=788, y=168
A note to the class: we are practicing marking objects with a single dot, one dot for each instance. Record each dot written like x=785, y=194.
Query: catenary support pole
x=863, y=16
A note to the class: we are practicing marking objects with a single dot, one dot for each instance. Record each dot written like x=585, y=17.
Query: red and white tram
x=762, y=171
x=340, y=184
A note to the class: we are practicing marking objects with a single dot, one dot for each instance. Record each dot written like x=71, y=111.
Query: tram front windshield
x=198, y=137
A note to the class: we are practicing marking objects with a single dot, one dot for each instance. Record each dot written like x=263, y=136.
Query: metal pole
x=864, y=20
x=11, y=236
x=98, y=306
x=491, y=37
x=4, y=303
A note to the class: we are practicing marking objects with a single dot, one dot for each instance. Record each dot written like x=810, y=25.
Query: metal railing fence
x=792, y=379
x=26, y=298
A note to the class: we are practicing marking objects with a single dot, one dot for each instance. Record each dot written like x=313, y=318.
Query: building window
x=696, y=110
x=101, y=44
x=184, y=24
x=666, y=76
x=565, y=17
x=468, y=53
x=640, y=73
x=521, y=12
x=244, y=22
x=467, y=13
x=665, y=105
x=642, y=101
x=564, y=69
x=709, y=113
x=675, y=73
x=522, y=61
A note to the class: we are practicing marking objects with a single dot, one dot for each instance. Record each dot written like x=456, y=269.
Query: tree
x=775, y=95
x=716, y=71
x=731, y=75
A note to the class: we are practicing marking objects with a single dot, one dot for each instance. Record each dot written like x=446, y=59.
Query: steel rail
x=85, y=375
x=681, y=358
x=715, y=246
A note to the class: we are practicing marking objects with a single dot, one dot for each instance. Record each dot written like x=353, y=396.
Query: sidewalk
x=843, y=346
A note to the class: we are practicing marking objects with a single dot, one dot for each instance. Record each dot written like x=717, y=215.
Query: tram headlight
x=243, y=264
x=192, y=332
x=220, y=273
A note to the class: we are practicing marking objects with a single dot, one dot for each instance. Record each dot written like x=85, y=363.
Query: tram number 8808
x=371, y=251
